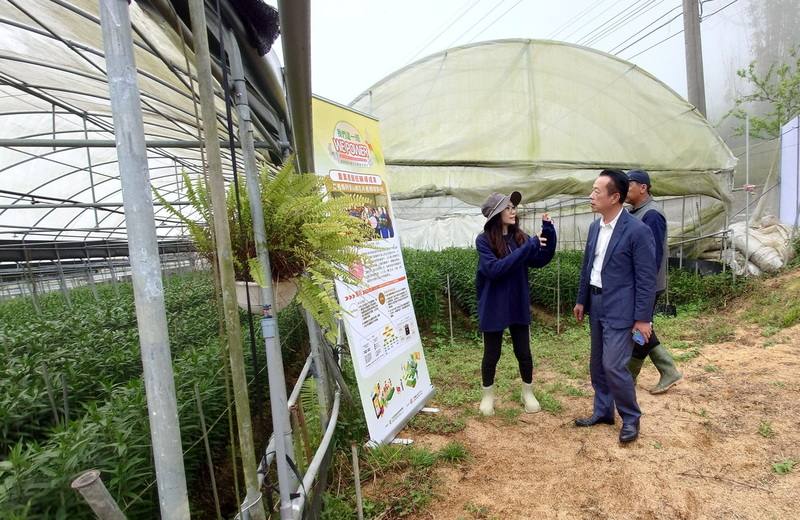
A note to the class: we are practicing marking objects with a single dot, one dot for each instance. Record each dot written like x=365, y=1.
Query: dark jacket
x=628, y=272
x=502, y=283
x=654, y=218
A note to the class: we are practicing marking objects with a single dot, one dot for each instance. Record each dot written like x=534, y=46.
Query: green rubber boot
x=634, y=367
x=670, y=375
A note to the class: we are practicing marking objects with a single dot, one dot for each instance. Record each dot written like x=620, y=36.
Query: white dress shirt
x=603, y=238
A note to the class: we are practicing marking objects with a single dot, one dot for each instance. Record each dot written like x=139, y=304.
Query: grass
x=765, y=429
x=453, y=452
x=437, y=423
x=783, y=467
x=775, y=310
x=560, y=387
x=477, y=512
x=717, y=332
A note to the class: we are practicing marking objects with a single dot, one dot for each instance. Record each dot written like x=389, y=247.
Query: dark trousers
x=608, y=366
x=642, y=351
x=520, y=338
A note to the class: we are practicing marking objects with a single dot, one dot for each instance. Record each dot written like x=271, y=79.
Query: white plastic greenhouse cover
x=540, y=117
x=53, y=86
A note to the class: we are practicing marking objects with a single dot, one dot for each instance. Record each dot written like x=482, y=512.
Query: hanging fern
x=310, y=236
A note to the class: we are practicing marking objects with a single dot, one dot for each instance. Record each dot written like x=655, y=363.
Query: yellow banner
x=345, y=140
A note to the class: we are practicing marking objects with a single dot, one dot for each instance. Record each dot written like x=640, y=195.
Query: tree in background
x=774, y=96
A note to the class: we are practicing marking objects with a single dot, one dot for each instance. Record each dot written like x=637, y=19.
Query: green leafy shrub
x=708, y=291
x=308, y=233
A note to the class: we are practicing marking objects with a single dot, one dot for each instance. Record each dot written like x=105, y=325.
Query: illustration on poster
x=382, y=394
x=409, y=370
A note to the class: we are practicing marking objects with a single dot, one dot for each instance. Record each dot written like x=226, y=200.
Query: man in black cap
x=645, y=209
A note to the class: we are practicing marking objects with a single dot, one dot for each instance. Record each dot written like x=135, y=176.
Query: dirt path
x=700, y=453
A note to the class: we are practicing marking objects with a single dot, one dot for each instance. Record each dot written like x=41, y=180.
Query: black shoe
x=629, y=432
x=594, y=419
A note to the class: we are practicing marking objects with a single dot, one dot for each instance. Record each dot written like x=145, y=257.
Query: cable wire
x=495, y=20
x=440, y=33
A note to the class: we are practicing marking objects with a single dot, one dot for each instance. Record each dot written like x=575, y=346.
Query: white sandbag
x=737, y=263
x=767, y=247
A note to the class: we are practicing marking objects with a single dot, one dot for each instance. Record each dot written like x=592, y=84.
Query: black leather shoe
x=594, y=419
x=629, y=432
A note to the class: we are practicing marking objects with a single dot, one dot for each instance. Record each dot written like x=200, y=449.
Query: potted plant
x=311, y=238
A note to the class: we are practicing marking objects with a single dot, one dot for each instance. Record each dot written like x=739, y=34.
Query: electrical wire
x=495, y=20
x=440, y=33
x=615, y=49
x=679, y=32
x=624, y=23
x=616, y=20
x=490, y=11
x=574, y=19
x=569, y=35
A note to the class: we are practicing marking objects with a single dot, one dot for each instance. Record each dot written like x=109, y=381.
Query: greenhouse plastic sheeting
x=541, y=117
x=53, y=86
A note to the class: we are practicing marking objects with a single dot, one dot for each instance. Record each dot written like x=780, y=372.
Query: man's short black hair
x=619, y=183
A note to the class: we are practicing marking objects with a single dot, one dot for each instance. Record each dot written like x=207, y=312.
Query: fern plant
x=310, y=236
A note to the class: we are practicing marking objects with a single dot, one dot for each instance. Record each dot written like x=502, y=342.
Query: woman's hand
x=542, y=238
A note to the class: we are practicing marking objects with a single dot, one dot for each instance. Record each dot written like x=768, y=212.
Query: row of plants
x=95, y=344
x=429, y=272
x=83, y=351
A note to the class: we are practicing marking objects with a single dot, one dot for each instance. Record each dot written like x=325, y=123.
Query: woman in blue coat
x=505, y=253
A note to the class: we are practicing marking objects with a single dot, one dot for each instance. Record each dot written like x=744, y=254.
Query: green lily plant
x=310, y=235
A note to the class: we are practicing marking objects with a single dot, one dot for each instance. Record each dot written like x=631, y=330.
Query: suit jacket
x=628, y=272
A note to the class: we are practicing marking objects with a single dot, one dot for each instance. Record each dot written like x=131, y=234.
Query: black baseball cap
x=640, y=176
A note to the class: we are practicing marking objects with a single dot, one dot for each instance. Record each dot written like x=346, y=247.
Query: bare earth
x=699, y=455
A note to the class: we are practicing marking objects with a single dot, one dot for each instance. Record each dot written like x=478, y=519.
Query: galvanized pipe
x=225, y=257
x=277, y=383
x=92, y=489
x=319, y=455
x=146, y=269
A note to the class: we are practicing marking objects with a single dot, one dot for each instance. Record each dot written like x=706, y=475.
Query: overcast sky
x=355, y=43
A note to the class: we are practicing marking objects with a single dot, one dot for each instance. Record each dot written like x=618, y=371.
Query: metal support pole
x=90, y=278
x=65, y=396
x=683, y=230
x=61, y=280
x=357, y=478
x=225, y=258
x=91, y=172
x=324, y=387
x=558, y=295
x=112, y=274
x=269, y=325
x=31, y=279
x=54, y=123
x=91, y=488
x=295, y=22
x=147, y=287
x=694, y=55
x=209, y=459
x=450, y=309
x=747, y=191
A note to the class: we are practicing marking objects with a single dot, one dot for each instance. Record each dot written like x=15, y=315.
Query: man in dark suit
x=617, y=291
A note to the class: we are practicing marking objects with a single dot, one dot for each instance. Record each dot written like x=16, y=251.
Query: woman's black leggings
x=520, y=338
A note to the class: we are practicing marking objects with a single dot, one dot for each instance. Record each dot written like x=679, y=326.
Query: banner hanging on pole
x=385, y=344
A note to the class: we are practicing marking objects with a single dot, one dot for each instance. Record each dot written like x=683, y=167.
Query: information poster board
x=385, y=345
